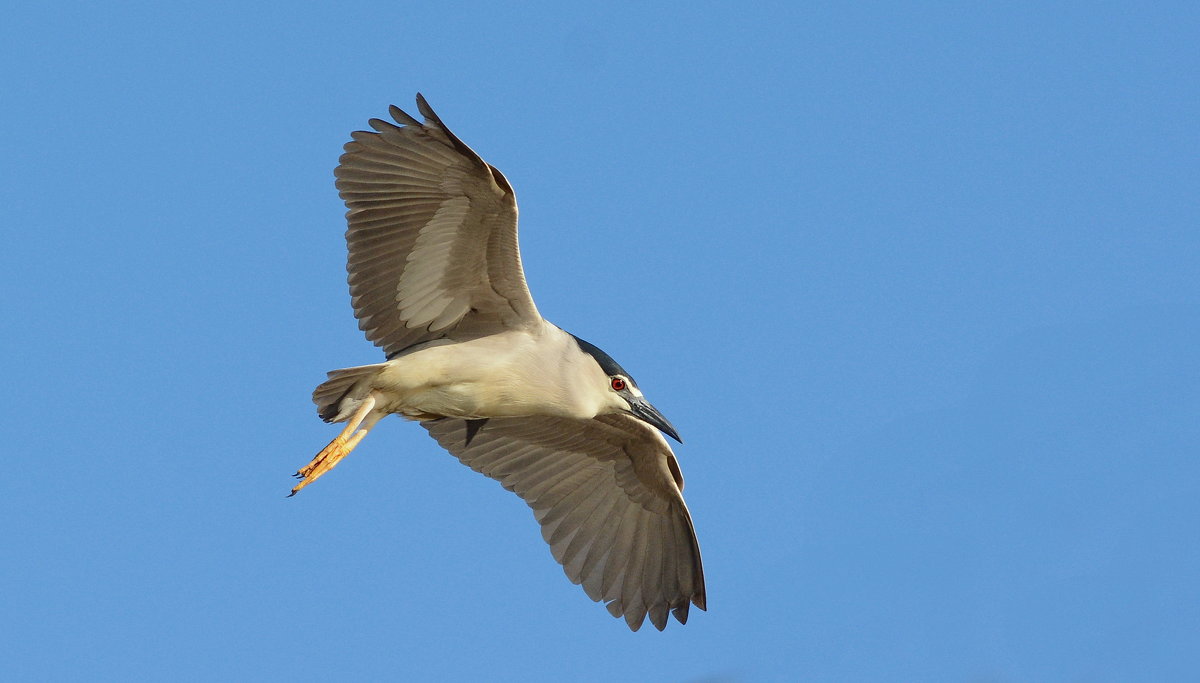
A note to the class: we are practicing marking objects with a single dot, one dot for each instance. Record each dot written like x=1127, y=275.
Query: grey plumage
x=436, y=281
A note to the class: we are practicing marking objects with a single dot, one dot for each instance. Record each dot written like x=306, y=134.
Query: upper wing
x=432, y=236
x=607, y=493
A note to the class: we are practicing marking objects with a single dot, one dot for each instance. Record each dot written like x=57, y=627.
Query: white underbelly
x=498, y=376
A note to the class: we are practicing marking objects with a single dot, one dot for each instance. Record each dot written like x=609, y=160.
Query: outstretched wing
x=432, y=236
x=607, y=493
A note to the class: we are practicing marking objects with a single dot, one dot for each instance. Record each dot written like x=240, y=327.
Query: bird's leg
x=339, y=448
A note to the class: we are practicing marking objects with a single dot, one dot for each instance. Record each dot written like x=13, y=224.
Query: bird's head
x=621, y=393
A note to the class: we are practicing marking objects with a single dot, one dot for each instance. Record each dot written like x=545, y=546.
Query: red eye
x=618, y=384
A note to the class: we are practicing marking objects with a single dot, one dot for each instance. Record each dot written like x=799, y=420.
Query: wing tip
x=402, y=117
x=659, y=614
x=380, y=125
x=431, y=117
x=427, y=111
x=635, y=618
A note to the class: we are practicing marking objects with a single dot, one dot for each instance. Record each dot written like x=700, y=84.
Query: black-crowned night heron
x=436, y=280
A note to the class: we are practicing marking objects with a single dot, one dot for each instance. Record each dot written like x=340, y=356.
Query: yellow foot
x=337, y=449
x=324, y=461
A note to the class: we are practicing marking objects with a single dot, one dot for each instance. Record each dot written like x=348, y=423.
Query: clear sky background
x=918, y=286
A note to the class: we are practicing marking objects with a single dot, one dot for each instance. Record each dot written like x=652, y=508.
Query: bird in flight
x=436, y=282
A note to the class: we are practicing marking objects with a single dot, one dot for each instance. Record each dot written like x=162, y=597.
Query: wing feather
x=630, y=599
x=586, y=549
x=605, y=493
x=432, y=236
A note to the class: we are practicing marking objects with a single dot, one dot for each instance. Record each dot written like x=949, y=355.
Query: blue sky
x=917, y=285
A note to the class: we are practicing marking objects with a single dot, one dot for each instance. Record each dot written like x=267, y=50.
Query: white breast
x=518, y=372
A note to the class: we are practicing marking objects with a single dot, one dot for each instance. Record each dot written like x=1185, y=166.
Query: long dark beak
x=643, y=410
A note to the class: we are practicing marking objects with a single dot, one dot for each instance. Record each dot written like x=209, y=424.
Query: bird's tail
x=338, y=396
